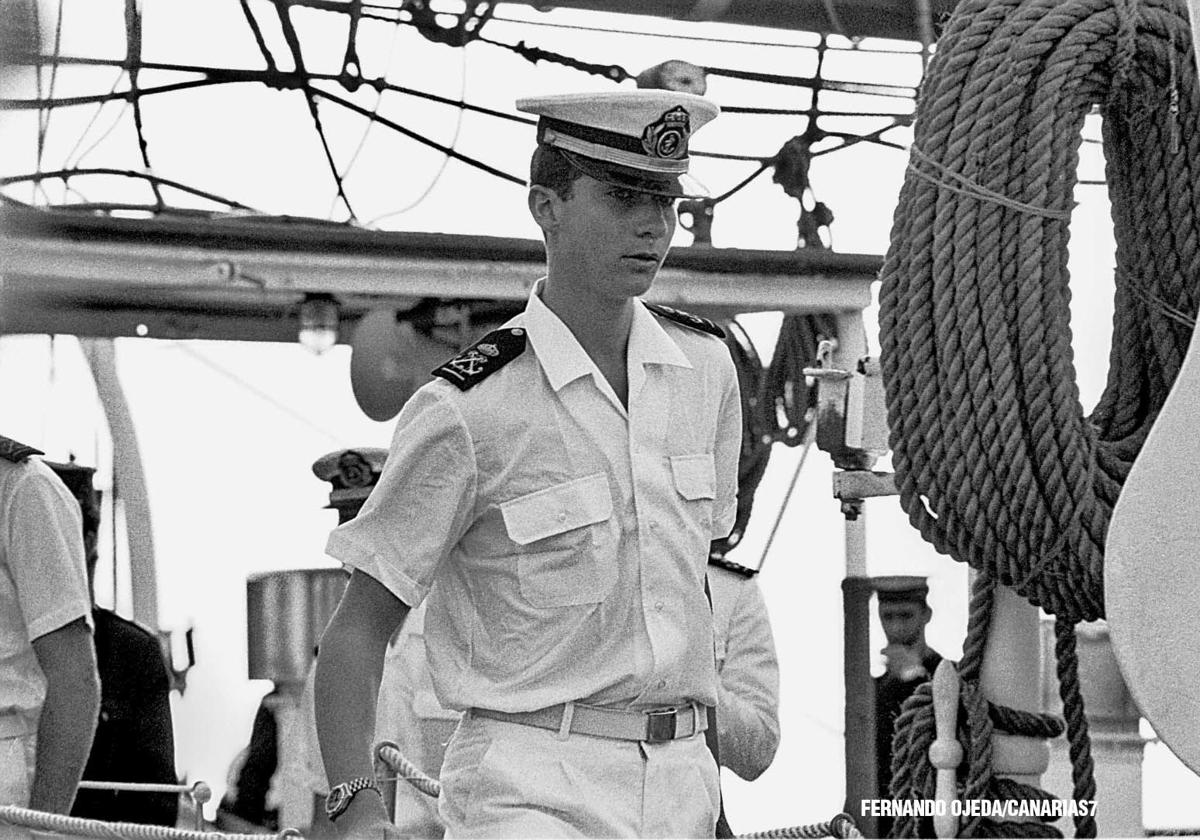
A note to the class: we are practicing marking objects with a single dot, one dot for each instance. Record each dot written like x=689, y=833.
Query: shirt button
x=562, y=516
x=658, y=605
x=662, y=683
x=653, y=526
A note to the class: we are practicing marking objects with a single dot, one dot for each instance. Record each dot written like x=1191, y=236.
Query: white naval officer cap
x=637, y=139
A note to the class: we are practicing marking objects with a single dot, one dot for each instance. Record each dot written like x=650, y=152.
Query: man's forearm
x=346, y=685
x=68, y=720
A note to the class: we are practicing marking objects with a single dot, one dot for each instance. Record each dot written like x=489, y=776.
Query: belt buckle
x=660, y=725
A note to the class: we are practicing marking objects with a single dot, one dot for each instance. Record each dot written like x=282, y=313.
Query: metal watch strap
x=348, y=790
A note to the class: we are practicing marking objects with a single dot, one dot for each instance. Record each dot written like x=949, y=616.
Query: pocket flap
x=695, y=475
x=557, y=509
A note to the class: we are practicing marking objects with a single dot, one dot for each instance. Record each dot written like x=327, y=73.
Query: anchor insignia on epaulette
x=482, y=359
x=15, y=451
x=687, y=319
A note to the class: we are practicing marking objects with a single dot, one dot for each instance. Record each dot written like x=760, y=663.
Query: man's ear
x=545, y=206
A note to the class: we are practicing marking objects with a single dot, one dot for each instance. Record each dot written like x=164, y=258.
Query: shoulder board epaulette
x=686, y=318
x=483, y=358
x=730, y=566
x=11, y=450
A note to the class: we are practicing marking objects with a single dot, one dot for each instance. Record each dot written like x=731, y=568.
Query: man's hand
x=904, y=662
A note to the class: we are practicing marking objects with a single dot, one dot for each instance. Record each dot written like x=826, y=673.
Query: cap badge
x=667, y=137
x=354, y=470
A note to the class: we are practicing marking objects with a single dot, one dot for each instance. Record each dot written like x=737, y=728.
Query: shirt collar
x=564, y=359
x=560, y=354
x=650, y=344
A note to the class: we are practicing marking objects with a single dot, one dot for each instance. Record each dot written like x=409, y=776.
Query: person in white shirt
x=556, y=490
x=49, y=685
x=748, y=711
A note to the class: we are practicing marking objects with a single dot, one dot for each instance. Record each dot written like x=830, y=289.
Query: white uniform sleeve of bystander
x=727, y=449
x=748, y=707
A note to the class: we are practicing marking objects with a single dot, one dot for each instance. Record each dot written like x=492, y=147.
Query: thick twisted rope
x=842, y=825
x=404, y=769
x=995, y=463
x=913, y=777
x=79, y=827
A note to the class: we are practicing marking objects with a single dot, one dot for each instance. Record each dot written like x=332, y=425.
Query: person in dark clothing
x=135, y=739
x=247, y=798
x=904, y=613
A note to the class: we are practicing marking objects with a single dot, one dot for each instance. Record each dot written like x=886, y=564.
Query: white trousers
x=16, y=778
x=505, y=779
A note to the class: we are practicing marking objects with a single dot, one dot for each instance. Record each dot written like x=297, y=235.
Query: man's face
x=904, y=622
x=613, y=239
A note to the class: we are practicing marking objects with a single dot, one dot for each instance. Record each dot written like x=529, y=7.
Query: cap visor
x=670, y=186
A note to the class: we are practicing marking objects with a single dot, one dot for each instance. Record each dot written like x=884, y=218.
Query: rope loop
x=389, y=753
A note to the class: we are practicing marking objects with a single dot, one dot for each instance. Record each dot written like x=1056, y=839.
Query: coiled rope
x=79, y=827
x=995, y=462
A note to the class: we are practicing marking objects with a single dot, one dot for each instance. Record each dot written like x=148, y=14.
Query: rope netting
x=78, y=827
x=323, y=68
x=995, y=461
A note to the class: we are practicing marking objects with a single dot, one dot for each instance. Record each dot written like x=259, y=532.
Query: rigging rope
x=995, y=462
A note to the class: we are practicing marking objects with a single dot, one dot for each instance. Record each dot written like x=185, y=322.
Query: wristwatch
x=341, y=795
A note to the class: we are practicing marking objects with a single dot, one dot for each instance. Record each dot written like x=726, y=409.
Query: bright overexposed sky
x=228, y=431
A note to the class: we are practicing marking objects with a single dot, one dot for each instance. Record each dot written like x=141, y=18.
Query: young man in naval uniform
x=560, y=482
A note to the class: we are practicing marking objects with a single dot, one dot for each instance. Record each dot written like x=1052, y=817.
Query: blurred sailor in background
x=49, y=685
x=407, y=711
x=748, y=707
x=909, y=661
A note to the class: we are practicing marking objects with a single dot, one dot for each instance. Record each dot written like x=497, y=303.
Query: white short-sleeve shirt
x=568, y=536
x=43, y=582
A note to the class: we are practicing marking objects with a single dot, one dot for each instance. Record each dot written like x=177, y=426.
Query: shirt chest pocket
x=559, y=530
x=694, y=477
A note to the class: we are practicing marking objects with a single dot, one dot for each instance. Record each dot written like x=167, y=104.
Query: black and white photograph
x=599, y=418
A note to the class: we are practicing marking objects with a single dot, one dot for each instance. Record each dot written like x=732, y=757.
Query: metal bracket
x=851, y=415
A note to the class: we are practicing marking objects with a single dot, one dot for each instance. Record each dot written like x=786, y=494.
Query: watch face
x=336, y=801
